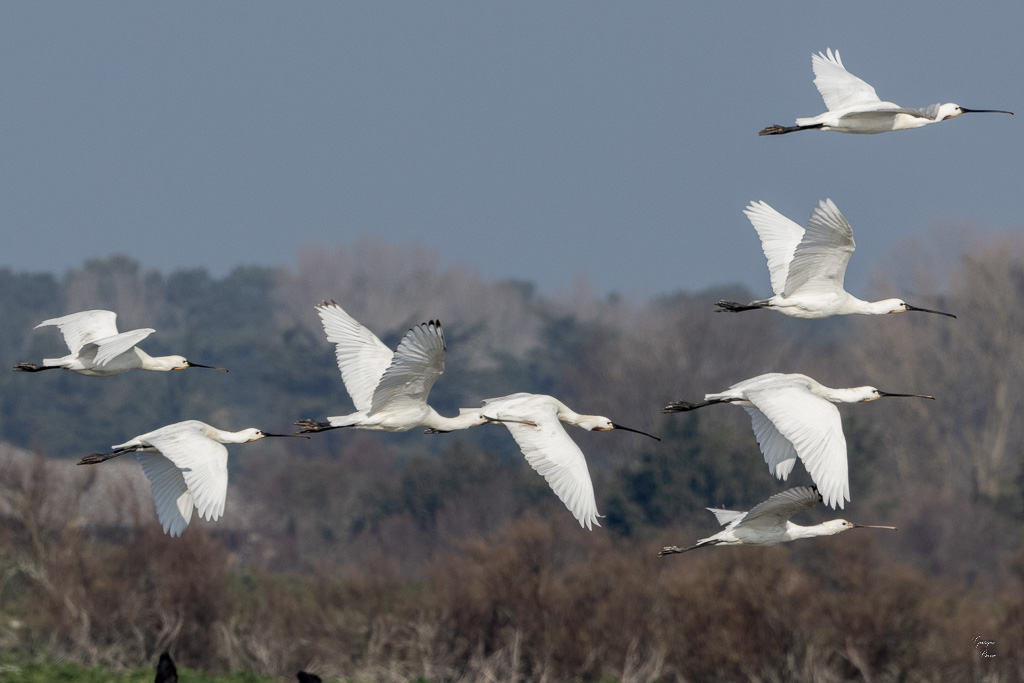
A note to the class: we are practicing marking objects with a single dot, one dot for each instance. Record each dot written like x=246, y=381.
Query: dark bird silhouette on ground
x=166, y=672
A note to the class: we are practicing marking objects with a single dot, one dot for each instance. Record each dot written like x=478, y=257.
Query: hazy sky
x=535, y=140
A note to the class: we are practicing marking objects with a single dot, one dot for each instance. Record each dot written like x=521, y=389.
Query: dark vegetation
x=386, y=557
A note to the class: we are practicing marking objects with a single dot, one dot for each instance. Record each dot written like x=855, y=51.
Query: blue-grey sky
x=534, y=140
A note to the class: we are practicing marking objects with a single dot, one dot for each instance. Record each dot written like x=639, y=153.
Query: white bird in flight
x=807, y=267
x=535, y=421
x=793, y=417
x=854, y=107
x=187, y=467
x=99, y=350
x=768, y=523
x=389, y=389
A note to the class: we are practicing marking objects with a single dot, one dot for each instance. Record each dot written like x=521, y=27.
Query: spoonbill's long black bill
x=928, y=310
x=635, y=431
x=209, y=367
x=985, y=111
x=886, y=393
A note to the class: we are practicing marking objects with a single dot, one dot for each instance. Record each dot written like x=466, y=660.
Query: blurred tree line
x=437, y=555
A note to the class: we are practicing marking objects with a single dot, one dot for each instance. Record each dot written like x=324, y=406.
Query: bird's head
x=835, y=526
x=901, y=306
x=180, y=363
x=599, y=423
x=864, y=394
x=948, y=111
x=843, y=525
x=253, y=434
x=595, y=423
x=871, y=393
x=951, y=110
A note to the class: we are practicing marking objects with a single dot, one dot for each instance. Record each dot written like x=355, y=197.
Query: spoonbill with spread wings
x=187, y=466
x=793, y=417
x=768, y=523
x=389, y=389
x=807, y=267
x=854, y=107
x=99, y=350
x=535, y=421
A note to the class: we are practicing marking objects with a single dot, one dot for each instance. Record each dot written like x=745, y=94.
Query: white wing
x=84, y=327
x=202, y=461
x=777, y=510
x=173, y=501
x=819, y=264
x=519, y=400
x=109, y=348
x=838, y=87
x=929, y=112
x=768, y=379
x=779, y=239
x=417, y=363
x=551, y=452
x=727, y=518
x=813, y=427
x=362, y=357
x=778, y=452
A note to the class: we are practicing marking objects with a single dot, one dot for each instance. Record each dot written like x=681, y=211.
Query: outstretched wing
x=838, y=87
x=778, y=452
x=779, y=239
x=173, y=501
x=812, y=425
x=551, y=452
x=109, y=348
x=777, y=510
x=727, y=518
x=820, y=261
x=417, y=363
x=84, y=327
x=202, y=461
x=362, y=357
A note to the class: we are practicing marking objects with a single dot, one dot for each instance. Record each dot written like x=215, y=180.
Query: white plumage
x=389, y=389
x=854, y=107
x=793, y=416
x=187, y=466
x=807, y=266
x=535, y=421
x=768, y=522
x=99, y=350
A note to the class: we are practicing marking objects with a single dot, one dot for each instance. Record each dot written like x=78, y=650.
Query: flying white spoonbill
x=807, y=267
x=187, y=467
x=535, y=421
x=794, y=417
x=99, y=350
x=768, y=523
x=853, y=106
x=389, y=390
